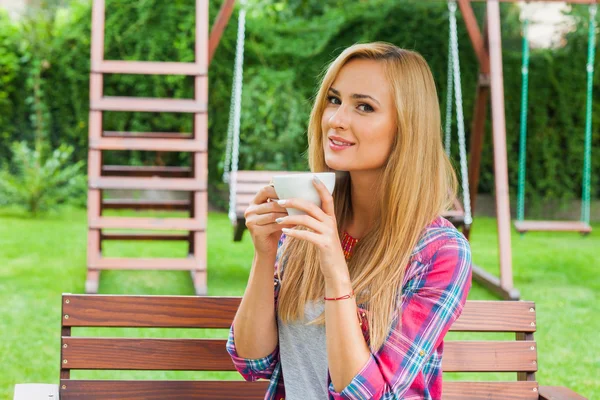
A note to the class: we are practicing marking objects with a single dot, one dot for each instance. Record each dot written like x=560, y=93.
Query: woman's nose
x=340, y=119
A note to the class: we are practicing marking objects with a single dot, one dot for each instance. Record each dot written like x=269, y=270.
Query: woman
x=366, y=287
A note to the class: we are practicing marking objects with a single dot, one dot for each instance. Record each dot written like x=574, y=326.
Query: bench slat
x=490, y=356
x=149, y=311
x=497, y=316
x=210, y=355
x=145, y=354
x=222, y=390
x=490, y=390
x=198, y=311
x=160, y=390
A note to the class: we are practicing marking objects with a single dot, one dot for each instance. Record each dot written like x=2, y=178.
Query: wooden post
x=219, y=26
x=499, y=139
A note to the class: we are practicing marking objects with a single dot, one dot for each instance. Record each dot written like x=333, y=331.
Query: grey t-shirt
x=303, y=356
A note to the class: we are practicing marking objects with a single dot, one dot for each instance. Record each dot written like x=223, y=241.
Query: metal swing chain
x=449, y=95
x=523, y=130
x=233, y=129
x=464, y=170
x=587, y=163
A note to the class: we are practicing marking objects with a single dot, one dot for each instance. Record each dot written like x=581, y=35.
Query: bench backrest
x=193, y=354
x=249, y=183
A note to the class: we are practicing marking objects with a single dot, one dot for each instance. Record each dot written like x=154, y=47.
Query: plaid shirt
x=409, y=364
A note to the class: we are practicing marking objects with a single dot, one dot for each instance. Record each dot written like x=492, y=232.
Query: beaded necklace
x=348, y=243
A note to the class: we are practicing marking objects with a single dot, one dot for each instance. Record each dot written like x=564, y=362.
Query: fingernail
x=316, y=179
x=281, y=202
x=285, y=230
x=278, y=220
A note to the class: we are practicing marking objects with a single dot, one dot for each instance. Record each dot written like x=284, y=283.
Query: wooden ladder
x=192, y=180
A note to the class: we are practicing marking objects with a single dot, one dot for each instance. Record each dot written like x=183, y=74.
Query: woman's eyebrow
x=356, y=96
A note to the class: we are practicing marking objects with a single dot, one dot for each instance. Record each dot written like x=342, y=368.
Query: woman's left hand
x=324, y=235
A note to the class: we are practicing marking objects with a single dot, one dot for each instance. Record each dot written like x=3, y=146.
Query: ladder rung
x=119, y=204
x=132, y=143
x=189, y=263
x=149, y=68
x=128, y=170
x=552, y=226
x=144, y=236
x=165, y=224
x=149, y=135
x=142, y=104
x=148, y=183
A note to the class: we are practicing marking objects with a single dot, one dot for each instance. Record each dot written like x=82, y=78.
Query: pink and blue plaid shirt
x=409, y=364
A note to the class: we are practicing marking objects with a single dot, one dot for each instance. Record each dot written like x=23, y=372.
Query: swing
x=459, y=215
x=583, y=225
x=243, y=185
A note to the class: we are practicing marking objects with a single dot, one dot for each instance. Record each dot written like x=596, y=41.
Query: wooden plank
x=136, y=143
x=477, y=139
x=218, y=312
x=490, y=390
x=161, y=390
x=145, y=171
x=148, y=183
x=142, y=104
x=181, y=224
x=97, y=52
x=490, y=356
x=183, y=264
x=559, y=393
x=211, y=355
x=499, y=141
x=218, y=27
x=120, y=204
x=552, y=226
x=202, y=38
x=146, y=354
x=149, y=311
x=475, y=35
x=224, y=390
x=144, y=236
x=149, y=68
x=149, y=135
x=497, y=316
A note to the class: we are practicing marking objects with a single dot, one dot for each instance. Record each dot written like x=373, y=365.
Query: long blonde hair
x=417, y=184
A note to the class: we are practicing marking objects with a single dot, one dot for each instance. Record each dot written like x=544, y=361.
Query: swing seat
x=247, y=185
x=553, y=226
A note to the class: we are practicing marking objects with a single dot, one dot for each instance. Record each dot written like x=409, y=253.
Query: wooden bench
x=192, y=354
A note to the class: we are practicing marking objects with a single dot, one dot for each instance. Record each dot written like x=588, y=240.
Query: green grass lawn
x=42, y=258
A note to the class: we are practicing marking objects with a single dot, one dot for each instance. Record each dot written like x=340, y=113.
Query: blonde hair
x=419, y=185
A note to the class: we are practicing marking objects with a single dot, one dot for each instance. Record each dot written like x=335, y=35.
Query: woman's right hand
x=260, y=221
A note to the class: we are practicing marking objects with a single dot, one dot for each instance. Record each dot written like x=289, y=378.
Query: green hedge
x=287, y=46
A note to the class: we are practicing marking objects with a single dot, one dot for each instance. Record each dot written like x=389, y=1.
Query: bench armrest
x=559, y=393
x=36, y=391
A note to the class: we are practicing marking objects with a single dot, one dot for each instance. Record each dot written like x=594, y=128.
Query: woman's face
x=360, y=110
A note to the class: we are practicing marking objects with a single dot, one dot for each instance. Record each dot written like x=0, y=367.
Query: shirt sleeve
x=260, y=368
x=430, y=303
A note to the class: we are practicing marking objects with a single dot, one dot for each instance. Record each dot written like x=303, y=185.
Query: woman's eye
x=365, y=107
x=333, y=100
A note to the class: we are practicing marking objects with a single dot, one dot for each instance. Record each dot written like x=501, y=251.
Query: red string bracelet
x=340, y=298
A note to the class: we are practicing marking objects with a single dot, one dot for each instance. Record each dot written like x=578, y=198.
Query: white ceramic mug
x=300, y=186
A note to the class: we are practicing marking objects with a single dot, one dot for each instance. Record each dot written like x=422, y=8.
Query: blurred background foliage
x=45, y=65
